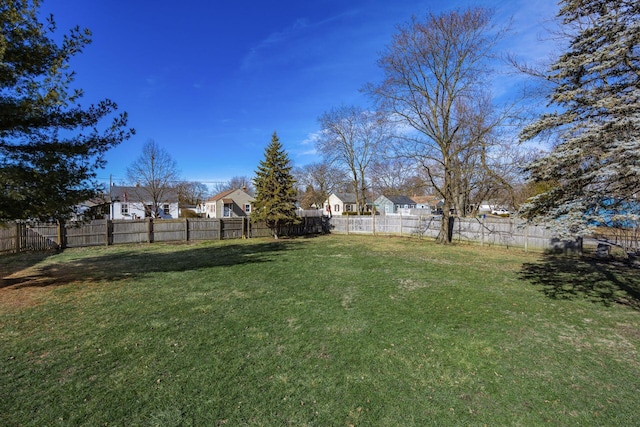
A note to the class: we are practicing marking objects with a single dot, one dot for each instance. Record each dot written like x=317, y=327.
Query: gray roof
x=346, y=197
x=400, y=200
x=140, y=194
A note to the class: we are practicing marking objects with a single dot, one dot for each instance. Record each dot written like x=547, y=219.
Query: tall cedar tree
x=50, y=146
x=596, y=161
x=275, y=201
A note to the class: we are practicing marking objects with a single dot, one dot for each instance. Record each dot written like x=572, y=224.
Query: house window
x=166, y=209
x=227, y=210
x=247, y=208
x=336, y=208
x=348, y=207
x=124, y=209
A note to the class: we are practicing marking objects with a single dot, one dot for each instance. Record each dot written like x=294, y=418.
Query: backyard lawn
x=322, y=331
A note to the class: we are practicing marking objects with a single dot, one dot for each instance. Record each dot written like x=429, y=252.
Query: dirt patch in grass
x=31, y=286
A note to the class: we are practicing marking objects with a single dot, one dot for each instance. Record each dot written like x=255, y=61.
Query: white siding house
x=137, y=202
x=337, y=203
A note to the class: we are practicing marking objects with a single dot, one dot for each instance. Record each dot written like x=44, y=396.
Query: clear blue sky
x=211, y=80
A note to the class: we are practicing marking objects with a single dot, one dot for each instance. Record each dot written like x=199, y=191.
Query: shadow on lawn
x=601, y=281
x=136, y=262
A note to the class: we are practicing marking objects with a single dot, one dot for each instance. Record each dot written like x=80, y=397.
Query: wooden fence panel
x=9, y=238
x=232, y=228
x=204, y=229
x=259, y=229
x=170, y=230
x=129, y=231
x=32, y=240
x=16, y=237
x=94, y=233
x=486, y=231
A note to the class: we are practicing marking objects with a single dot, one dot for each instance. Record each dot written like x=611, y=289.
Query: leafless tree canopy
x=316, y=181
x=235, y=183
x=435, y=79
x=353, y=138
x=157, y=172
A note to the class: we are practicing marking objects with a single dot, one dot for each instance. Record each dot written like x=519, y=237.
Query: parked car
x=500, y=212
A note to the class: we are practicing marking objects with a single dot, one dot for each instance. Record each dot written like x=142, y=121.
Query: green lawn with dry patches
x=325, y=331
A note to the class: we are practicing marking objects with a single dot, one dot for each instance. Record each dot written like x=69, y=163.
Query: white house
x=137, y=202
x=431, y=203
x=337, y=203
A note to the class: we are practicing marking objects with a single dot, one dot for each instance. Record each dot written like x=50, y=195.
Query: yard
x=323, y=331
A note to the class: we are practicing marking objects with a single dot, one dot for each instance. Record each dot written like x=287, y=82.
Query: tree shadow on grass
x=135, y=262
x=601, y=281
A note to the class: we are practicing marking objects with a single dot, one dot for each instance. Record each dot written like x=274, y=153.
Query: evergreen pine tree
x=275, y=201
x=50, y=146
x=596, y=161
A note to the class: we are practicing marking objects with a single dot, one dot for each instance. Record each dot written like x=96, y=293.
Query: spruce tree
x=50, y=145
x=275, y=201
x=596, y=122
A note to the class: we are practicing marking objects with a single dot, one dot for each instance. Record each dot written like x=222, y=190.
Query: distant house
x=96, y=208
x=229, y=204
x=337, y=203
x=137, y=202
x=192, y=210
x=486, y=207
x=394, y=204
x=433, y=203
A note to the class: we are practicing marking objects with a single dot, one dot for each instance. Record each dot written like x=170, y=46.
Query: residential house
x=137, y=202
x=394, y=204
x=228, y=204
x=337, y=203
x=433, y=203
x=486, y=207
x=96, y=208
x=189, y=211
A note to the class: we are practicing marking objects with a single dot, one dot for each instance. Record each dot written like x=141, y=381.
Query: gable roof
x=400, y=200
x=220, y=195
x=427, y=200
x=225, y=194
x=346, y=197
x=139, y=194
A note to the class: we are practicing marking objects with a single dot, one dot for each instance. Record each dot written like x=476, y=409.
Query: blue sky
x=210, y=81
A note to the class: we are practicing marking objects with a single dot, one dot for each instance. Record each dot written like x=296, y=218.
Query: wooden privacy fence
x=18, y=237
x=508, y=232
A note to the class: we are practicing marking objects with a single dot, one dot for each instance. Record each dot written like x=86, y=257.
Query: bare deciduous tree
x=352, y=138
x=237, y=182
x=155, y=173
x=435, y=83
x=395, y=177
x=316, y=181
x=191, y=193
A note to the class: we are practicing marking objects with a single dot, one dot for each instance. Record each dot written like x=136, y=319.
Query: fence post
x=482, y=225
x=149, y=230
x=186, y=229
x=61, y=235
x=526, y=237
x=221, y=228
x=106, y=232
x=373, y=222
x=18, y=243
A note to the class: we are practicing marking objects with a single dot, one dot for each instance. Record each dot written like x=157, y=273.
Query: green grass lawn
x=325, y=331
